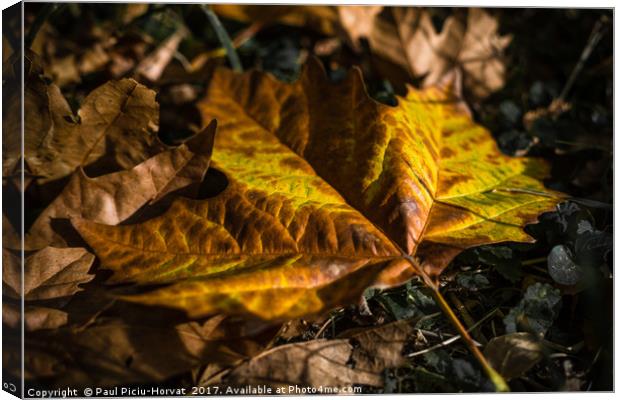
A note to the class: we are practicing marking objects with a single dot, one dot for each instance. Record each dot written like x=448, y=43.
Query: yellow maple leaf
x=329, y=192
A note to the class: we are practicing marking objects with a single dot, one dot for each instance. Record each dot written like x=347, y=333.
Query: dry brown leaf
x=112, y=351
x=35, y=318
x=49, y=273
x=323, y=19
x=112, y=198
x=514, y=354
x=358, y=21
x=133, y=11
x=153, y=66
x=358, y=359
x=10, y=238
x=406, y=36
x=114, y=129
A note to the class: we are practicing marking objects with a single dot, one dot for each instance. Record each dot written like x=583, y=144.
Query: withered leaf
x=358, y=21
x=35, y=318
x=514, y=354
x=329, y=192
x=113, y=351
x=323, y=19
x=49, y=273
x=406, y=36
x=358, y=359
x=114, y=128
x=112, y=198
x=152, y=66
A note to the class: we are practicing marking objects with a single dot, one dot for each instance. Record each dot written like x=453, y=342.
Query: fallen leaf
x=514, y=354
x=112, y=198
x=152, y=66
x=358, y=359
x=49, y=273
x=35, y=318
x=536, y=311
x=10, y=238
x=113, y=351
x=133, y=11
x=114, y=129
x=34, y=104
x=358, y=22
x=329, y=192
x=95, y=47
x=406, y=36
x=323, y=19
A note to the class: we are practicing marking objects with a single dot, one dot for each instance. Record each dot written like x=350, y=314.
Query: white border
x=454, y=3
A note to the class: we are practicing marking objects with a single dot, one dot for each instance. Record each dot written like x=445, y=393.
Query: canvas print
x=233, y=199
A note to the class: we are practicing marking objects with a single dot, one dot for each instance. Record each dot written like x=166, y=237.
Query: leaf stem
x=595, y=36
x=224, y=39
x=494, y=376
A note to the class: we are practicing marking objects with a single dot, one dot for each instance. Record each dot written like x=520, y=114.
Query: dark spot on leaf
x=447, y=152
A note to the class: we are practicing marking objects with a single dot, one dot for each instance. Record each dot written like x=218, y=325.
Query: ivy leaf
x=562, y=268
x=537, y=310
x=329, y=192
x=592, y=248
x=502, y=258
x=472, y=281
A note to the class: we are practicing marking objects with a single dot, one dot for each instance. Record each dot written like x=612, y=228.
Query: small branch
x=224, y=39
x=324, y=327
x=498, y=381
x=494, y=376
x=247, y=34
x=595, y=36
x=462, y=309
x=453, y=338
x=534, y=261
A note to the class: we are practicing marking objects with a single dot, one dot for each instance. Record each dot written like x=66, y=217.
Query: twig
x=325, y=325
x=462, y=309
x=331, y=319
x=247, y=34
x=595, y=36
x=498, y=381
x=224, y=39
x=579, y=145
x=534, y=261
x=453, y=338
